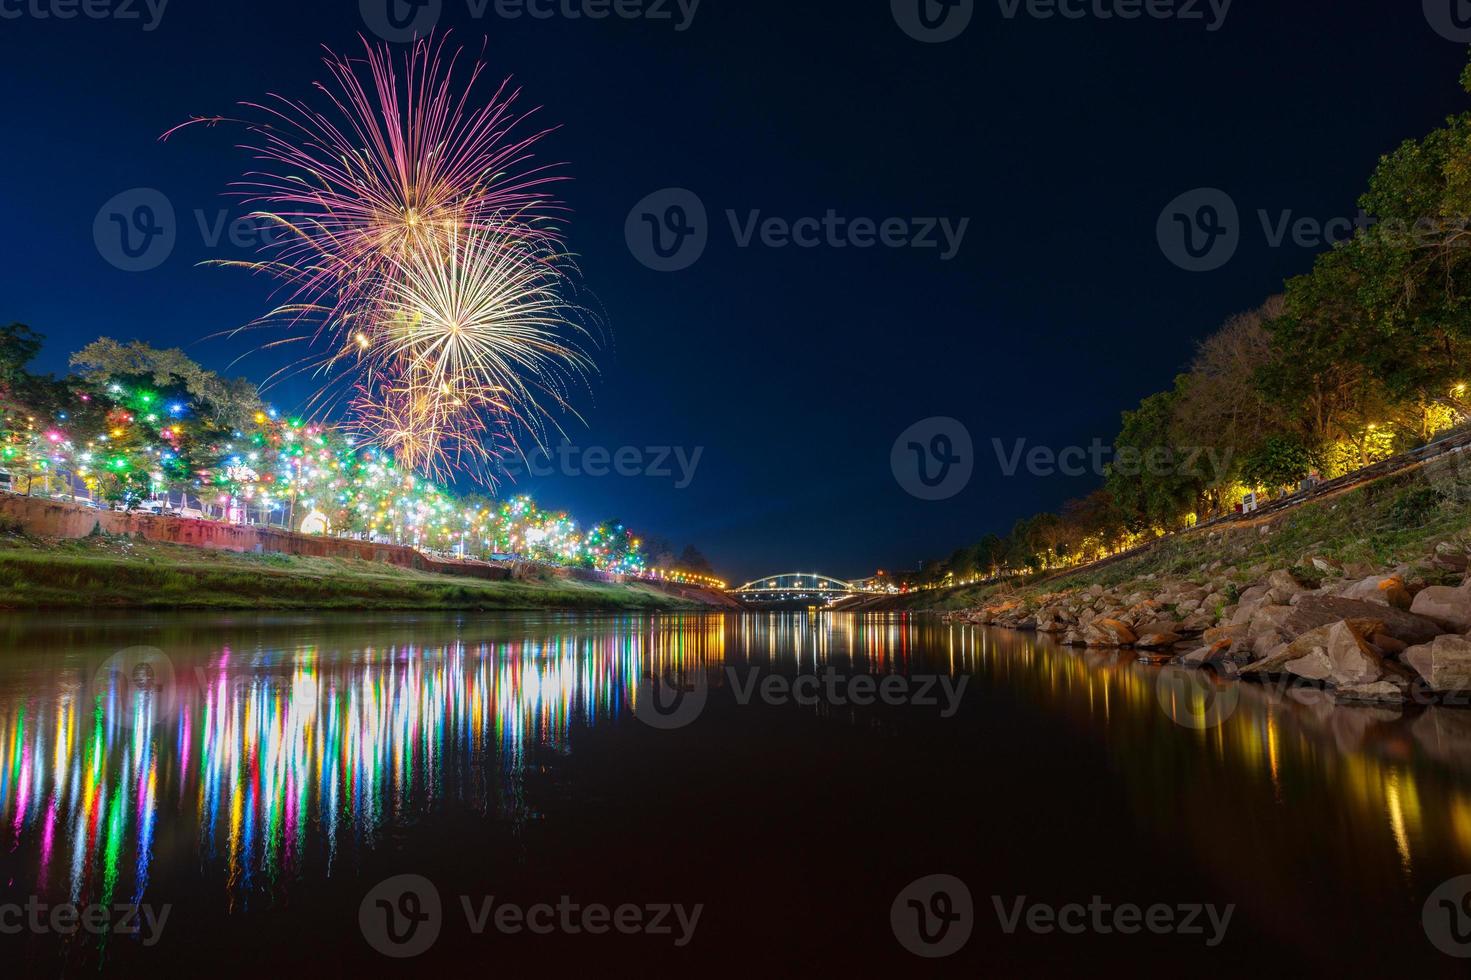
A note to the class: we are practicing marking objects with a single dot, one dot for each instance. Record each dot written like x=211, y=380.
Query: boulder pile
x=1366, y=636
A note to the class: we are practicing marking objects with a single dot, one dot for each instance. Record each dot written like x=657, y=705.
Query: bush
x=1413, y=507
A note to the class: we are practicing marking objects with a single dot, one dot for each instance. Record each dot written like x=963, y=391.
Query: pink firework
x=396, y=160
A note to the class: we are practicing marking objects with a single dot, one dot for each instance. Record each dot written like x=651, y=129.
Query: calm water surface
x=261, y=775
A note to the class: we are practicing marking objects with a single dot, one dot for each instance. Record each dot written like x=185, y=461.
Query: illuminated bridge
x=798, y=587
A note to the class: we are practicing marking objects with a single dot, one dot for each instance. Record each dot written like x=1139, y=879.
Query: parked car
x=153, y=508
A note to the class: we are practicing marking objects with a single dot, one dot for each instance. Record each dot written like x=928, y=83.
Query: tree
x=1149, y=479
x=230, y=402
x=1321, y=368
x=1280, y=461
x=1222, y=412
x=693, y=560
x=19, y=345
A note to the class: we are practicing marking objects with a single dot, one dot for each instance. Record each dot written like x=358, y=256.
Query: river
x=715, y=793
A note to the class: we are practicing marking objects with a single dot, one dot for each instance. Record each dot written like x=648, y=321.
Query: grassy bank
x=1394, y=521
x=117, y=573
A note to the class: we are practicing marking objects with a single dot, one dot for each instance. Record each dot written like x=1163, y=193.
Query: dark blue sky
x=794, y=369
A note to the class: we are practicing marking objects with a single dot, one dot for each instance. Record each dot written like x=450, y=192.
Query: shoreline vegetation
x=114, y=573
x=1365, y=593
x=1364, y=357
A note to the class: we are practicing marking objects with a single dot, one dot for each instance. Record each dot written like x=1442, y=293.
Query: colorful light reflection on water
x=275, y=754
x=263, y=750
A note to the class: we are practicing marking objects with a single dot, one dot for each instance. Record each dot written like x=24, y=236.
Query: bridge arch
x=795, y=585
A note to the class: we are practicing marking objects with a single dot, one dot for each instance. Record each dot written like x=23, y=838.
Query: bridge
x=798, y=587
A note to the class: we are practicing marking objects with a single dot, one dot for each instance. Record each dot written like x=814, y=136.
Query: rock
x=1343, y=657
x=1313, y=611
x=1445, y=663
x=1051, y=620
x=1451, y=561
x=1157, y=641
x=1378, y=692
x=1327, y=566
x=1197, y=623
x=1213, y=654
x=1109, y=633
x=1322, y=650
x=1383, y=591
x=1268, y=619
x=1388, y=645
x=1451, y=608
x=1247, y=606
x=1228, y=633
x=1158, y=626
x=1282, y=579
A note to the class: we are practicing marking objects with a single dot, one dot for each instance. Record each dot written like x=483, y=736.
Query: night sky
x=793, y=370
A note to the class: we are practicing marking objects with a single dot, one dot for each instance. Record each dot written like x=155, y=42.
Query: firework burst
x=419, y=248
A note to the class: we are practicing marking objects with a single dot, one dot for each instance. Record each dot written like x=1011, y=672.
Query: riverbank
x=105, y=572
x=1365, y=593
